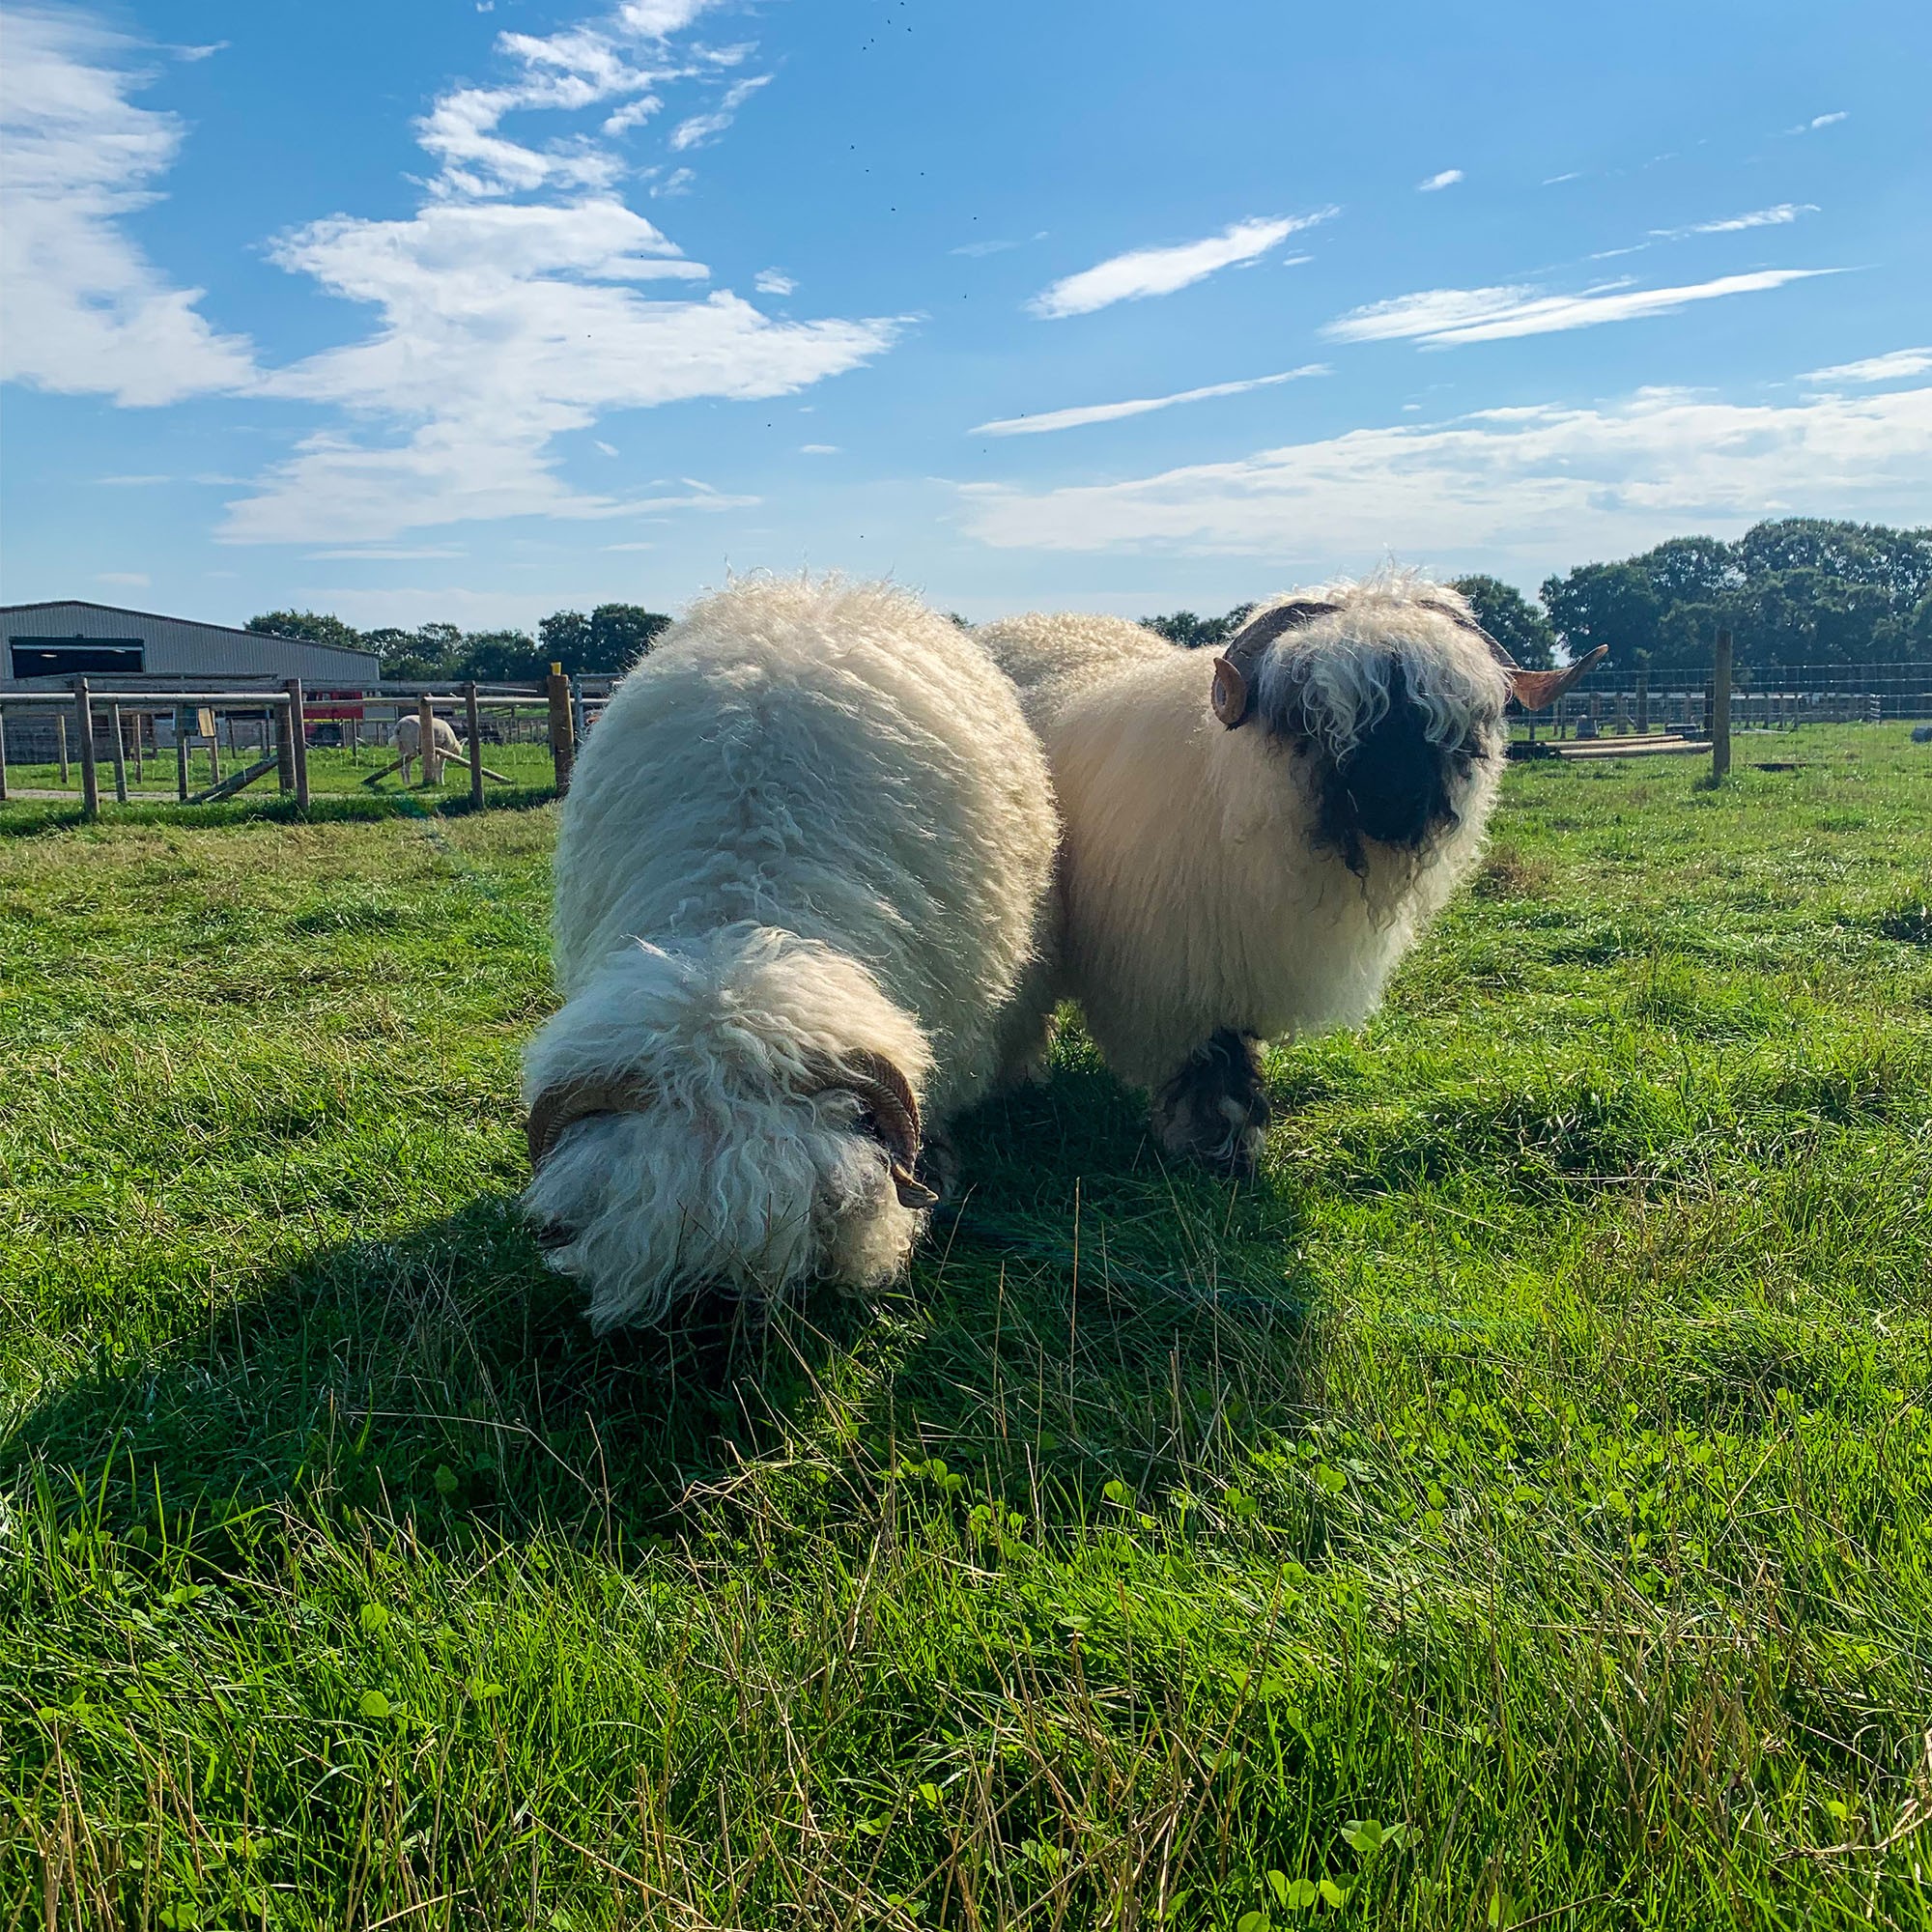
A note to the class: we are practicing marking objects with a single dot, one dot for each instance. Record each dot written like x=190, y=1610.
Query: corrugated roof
x=161, y=618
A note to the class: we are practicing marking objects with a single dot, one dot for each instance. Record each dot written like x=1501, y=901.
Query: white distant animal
x=1253, y=841
x=803, y=867
x=409, y=741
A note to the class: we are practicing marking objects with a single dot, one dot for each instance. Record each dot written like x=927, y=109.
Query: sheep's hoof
x=1215, y=1110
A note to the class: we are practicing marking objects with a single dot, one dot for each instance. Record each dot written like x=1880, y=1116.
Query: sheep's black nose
x=1394, y=778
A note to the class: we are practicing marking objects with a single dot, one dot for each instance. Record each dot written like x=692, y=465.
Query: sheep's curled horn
x=885, y=1097
x=1235, y=668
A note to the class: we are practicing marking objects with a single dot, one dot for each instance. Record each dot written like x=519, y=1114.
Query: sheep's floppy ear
x=1234, y=694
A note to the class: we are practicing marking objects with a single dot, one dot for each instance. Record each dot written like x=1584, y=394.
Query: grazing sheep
x=804, y=864
x=409, y=741
x=1252, y=843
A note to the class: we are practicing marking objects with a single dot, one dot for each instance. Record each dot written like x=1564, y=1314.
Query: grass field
x=1515, y=1509
x=331, y=772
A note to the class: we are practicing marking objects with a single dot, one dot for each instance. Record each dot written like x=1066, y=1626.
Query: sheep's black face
x=1394, y=787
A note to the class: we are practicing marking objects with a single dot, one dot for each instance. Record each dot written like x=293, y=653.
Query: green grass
x=330, y=773
x=1516, y=1508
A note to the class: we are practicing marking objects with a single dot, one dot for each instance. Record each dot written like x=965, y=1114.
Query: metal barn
x=47, y=646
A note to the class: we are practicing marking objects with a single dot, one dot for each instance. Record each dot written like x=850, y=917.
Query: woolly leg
x=1215, y=1109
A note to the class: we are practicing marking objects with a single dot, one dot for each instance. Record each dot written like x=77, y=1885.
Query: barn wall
x=178, y=649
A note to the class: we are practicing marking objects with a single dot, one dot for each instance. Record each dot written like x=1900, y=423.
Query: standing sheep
x=1252, y=846
x=409, y=741
x=802, y=868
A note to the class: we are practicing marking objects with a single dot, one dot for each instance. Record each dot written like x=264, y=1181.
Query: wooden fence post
x=60, y=740
x=3, y=754
x=1642, y=699
x=562, y=748
x=90, y=777
x=120, y=756
x=298, y=741
x=472, y=724
x=431, y=765
x=183, y=770
x=1720, y=706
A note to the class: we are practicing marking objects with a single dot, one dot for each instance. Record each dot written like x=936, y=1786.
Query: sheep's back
x=1053, y=657
x=834, y=760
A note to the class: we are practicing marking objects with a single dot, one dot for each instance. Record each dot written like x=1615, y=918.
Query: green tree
x=429, y=655
x=612, y=639
x=620, y=633
x=503, y=657
x=565, y=637
x=1517, y=624
x=1609, y=604
x=1792, y=591
x=312, y=627
x=1192, y=633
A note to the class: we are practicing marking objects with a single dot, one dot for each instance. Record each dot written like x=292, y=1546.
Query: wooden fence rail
x=567, y=709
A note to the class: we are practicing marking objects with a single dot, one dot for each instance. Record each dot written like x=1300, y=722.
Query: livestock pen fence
x=57, y=742
x=1766, y=697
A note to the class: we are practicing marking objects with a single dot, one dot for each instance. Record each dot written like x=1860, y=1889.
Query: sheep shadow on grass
x=1083, y=1316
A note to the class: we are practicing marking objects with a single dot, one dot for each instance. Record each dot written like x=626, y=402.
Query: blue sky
x=450, y=311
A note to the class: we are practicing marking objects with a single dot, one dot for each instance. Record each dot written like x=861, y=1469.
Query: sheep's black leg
x=1217, y=1109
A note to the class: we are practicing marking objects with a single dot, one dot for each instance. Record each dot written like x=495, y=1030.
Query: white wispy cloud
x=581, y=68
x=125, y=579
x=82, y=308
x=702, y=128
x=1448, y=178
x=819, y=449
x=1888, y=368
x=659, y=20
x=1550, y=180
x=773, y=282
x=1780, y=216
x=503, y=325
x=633, y=114
x=1818, y=121
x=1160, y=272
x=1099, y=413
x=383, y=554
x=1439, y=318
x=1542, y=484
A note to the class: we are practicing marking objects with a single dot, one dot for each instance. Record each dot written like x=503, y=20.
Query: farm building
x=48, y=645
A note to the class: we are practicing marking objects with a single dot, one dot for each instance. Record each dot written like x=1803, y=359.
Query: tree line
x=1797, y=590
x=606, y=639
